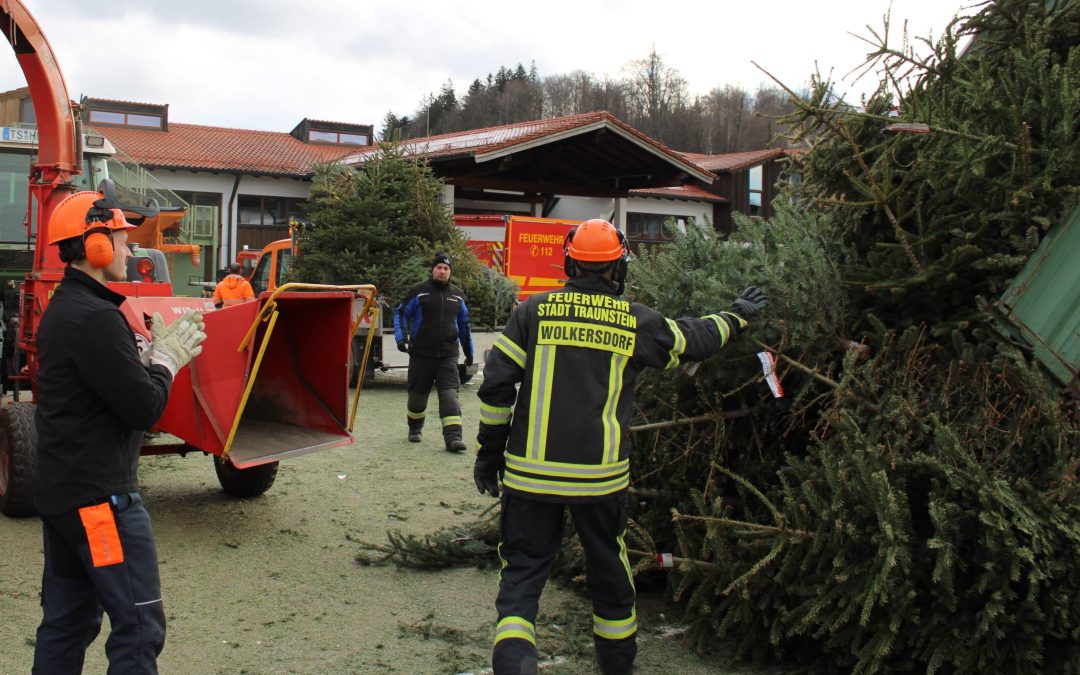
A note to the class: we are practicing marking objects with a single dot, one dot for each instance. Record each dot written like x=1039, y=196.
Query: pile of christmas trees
x=911, y=502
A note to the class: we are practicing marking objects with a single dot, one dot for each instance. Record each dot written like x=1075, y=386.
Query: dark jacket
x=576, y=353
x=434, y=318
x=94, y=397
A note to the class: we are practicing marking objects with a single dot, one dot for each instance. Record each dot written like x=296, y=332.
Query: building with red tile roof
x=572, y=167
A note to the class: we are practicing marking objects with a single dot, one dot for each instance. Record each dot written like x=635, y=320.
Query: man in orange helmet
x=95, y=396
x=233, y=289
x=555, y=402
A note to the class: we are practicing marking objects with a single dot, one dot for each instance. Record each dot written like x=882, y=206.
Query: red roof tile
x=493, y=142
x=688, y=192
x=202, y=148
x=733, y=161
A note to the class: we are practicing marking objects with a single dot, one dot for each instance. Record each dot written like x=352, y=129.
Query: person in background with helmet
x=555, y=404
x=233, y=289
x=95, y=397
x=428, y=324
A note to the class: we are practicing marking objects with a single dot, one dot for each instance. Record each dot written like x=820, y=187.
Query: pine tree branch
x=711, y=417
x=818, y=376
x=697, y=564
x=782, y=531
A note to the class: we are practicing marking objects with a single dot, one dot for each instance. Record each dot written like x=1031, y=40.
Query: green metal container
x=1042, y=306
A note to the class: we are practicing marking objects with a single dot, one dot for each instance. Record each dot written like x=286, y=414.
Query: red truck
x=526, y=250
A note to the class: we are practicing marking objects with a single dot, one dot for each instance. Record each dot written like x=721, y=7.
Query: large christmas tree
x=911, y=502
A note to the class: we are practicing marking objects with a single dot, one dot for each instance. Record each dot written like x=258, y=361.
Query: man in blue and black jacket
x=428, y=325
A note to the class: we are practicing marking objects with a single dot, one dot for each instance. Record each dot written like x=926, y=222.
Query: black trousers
x=102, y=557
x=531, y=533
x=425, y=371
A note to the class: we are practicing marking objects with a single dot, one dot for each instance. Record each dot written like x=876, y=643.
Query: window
x=284, y=266
x=125, y=119
x=755, y=190
x=339, y=138
x=261, y=279
x=14, y=169
x=650, y=226
x=352, y=139
x=276, y=211
x=26, y=111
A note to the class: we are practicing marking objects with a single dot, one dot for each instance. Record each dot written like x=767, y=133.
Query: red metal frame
x=58, y=160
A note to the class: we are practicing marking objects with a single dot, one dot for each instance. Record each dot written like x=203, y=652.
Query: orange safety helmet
x=78, y=213
x=598, y=241
x=595, y=240
x=83, y=215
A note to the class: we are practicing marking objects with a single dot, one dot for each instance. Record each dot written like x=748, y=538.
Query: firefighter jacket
x=233, y=290
x=433, y=318
x=576, y=353
x=94, y=397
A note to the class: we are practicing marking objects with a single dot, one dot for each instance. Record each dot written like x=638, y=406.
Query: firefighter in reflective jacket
x=555, y=402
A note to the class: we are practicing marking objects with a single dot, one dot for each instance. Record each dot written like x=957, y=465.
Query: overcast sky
x=267, y=64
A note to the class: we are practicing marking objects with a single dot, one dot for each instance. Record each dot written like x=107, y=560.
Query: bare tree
x=654, y=90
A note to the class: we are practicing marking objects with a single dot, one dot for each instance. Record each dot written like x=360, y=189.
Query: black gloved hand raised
x=750, y=302
x=488, y=470
x=403, y=346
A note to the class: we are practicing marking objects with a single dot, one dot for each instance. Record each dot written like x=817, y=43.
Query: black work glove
x=488, y=470
x=750, y=302
x=403, y=346
x=468, y=360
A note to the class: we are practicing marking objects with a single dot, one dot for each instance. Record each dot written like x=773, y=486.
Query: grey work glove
x=488, y=470
x=750, y=302
x=159, y=331
x=174, y=346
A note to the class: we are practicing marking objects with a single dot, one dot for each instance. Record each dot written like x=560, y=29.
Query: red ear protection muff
x=99, y=248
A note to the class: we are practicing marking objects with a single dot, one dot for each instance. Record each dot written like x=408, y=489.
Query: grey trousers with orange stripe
x=531, y=534
x=85, y=574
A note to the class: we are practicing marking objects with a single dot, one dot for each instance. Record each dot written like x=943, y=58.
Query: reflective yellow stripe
x=515, y=627
x=626, y=559
x=494, y=415
x=615, y=629
x=415, y=415
x=451, y=420
x=540, y=401
x=724, y=327
x=612, y=428
x=565, y=469
x=565, y=489
x=680, y=344
x=508, y=347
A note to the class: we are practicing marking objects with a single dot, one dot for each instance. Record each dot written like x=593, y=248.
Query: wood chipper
x=271, y=381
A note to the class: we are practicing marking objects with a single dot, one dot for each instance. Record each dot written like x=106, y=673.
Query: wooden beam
x=571, y=189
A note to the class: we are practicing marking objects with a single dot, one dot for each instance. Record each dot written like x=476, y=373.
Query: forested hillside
x=650, y=95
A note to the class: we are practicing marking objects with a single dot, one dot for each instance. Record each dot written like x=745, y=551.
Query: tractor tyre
x=245, y=482
x=18, y=460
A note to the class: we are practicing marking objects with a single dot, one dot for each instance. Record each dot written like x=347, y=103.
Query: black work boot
x=416, y=429
x=455, y=445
